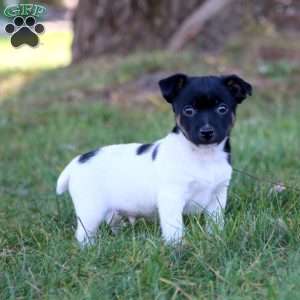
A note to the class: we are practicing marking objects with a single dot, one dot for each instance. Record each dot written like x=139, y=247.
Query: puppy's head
x=204, y=106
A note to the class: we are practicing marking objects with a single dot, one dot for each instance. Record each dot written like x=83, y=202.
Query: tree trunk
x=105, y=26
x=194, y=23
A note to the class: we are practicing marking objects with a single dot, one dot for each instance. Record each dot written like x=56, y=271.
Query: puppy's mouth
x=206, y=140
x=196, y=140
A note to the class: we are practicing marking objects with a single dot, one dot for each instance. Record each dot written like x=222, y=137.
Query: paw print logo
x=24, y=31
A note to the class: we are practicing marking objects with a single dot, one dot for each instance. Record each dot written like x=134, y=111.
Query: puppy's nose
x=207, y=132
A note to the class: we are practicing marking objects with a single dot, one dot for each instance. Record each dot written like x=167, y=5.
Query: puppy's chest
x=203, y=179
x=206, y=174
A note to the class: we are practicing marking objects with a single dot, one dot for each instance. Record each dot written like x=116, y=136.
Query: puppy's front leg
x=170, y=208
x=216, y=207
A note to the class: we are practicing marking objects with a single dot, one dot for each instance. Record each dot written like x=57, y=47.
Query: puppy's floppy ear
x=237, y=87
x=171, y=86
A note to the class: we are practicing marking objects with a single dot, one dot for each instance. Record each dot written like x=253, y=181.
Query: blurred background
x=95, y=53
x=258, y=38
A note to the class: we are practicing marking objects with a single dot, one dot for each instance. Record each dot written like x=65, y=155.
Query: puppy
x=186, y=172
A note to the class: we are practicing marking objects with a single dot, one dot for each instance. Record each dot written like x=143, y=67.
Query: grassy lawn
x=45, y=120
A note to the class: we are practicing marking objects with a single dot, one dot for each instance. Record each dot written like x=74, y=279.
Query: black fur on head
x=205, y=106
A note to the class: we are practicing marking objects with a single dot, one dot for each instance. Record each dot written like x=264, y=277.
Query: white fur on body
x=182, y=179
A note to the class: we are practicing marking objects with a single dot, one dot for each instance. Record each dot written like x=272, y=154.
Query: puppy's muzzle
x=207, y=133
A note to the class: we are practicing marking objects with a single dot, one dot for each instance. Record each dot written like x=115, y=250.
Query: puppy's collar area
x=178, y=130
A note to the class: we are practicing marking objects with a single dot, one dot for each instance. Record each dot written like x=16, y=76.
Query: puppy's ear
x=237, y=87
x=171, y=86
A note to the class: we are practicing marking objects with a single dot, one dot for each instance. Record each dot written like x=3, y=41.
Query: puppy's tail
x=63, y=179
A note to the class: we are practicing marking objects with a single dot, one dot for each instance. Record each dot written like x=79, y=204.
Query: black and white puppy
x=186, y=172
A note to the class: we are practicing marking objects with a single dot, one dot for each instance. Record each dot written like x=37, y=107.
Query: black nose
x=207, y=132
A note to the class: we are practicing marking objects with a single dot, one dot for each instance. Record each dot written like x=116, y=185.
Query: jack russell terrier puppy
x=186, y=172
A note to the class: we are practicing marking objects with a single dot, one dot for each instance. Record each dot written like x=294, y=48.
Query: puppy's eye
x=189, y=111
x=222, y=109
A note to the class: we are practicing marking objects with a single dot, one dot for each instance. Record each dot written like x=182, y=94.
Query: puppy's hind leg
x=114, y=220
x=87, y=225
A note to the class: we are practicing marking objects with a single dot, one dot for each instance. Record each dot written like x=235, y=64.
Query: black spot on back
x=175, y=129
x=88, y=155
x=155, y=151
x=227, y=149
x=143, y=149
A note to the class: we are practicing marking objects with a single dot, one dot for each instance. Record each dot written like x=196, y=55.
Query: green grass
x=41, y=128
